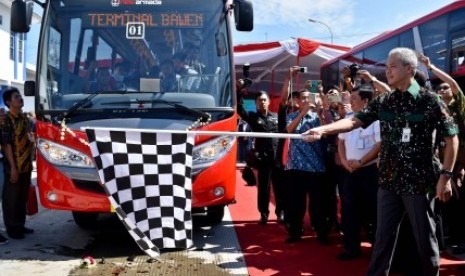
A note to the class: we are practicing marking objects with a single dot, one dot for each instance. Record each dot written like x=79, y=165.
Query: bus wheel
x=85, y=220
x=215, y=214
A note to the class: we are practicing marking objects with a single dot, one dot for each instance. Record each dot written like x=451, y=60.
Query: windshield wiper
x=86, y=100
x=198, y=114
x=203, y=116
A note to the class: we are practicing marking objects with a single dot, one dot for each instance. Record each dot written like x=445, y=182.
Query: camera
x=334, y=98
x=353, y=70
x=247, y=82
x=303, y=69
x=246, y=74
x=246, y=70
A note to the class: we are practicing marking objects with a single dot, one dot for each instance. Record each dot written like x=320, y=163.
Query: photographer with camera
x=261, y=120
x=349, y=76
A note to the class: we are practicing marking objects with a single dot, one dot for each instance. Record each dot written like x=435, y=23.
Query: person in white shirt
x=358, y=151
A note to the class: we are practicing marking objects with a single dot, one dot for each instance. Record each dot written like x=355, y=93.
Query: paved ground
x=58, y=246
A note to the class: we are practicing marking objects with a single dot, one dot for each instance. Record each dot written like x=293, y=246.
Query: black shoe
x=323, y=240
x=293, y=239
x=3, y=240
x=28, y=230
x=263, y=219
x=458, y=249
x=349, y=255
x=17, y=235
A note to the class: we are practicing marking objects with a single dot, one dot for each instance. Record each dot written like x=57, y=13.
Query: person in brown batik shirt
x=17, y=148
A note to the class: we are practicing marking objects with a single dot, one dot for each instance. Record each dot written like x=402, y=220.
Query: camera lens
x=246, y=70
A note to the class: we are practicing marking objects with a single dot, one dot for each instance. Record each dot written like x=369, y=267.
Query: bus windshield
x=131, y=52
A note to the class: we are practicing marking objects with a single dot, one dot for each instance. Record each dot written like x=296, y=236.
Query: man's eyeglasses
x=443, y=87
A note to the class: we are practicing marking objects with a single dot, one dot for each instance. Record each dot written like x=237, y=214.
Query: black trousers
x=452, y=212
x=391, y=209
x=14, y=201
x=332, y=184
x=303, y=186
x=268, y=174
x=358, y=197
x=241, y=151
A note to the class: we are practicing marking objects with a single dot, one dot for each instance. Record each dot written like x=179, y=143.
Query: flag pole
x=205, y=132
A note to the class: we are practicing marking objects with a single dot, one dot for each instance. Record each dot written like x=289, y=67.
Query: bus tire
x=85, y=220
x=215, y=215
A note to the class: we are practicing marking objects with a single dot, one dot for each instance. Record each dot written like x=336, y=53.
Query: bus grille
x=96, y=187
x=91, y=186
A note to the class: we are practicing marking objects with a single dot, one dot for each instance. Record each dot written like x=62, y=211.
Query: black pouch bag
x=252, y=158
x=249, y=176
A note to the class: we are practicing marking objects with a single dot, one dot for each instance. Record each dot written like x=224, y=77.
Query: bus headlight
x=207, y=153
x=60, y=155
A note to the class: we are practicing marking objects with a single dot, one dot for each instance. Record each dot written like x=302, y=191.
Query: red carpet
x=266, y=253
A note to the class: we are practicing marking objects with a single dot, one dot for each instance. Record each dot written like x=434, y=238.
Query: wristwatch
x=447, y=173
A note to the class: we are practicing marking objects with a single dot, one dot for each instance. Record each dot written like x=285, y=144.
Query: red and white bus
x=440, y=35
x=77, y=36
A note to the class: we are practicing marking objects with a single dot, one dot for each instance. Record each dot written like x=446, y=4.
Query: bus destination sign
x=171, y=20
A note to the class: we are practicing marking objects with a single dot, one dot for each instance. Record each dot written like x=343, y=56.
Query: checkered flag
x=147, y=177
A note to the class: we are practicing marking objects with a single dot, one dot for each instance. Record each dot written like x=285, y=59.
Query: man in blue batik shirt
x=306, y=169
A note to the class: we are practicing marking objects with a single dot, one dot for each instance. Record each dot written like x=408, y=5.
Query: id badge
x=406, y=134
x=360, y=144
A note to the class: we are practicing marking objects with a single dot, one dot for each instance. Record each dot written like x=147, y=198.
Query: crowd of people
x=179, y=73
x=393, y=152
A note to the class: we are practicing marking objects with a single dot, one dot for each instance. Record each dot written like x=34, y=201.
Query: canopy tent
x=270, y=61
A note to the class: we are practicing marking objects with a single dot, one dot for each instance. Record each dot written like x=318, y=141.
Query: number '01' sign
x=135, y=30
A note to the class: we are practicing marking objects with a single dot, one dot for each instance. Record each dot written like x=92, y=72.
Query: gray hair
x=407, y=56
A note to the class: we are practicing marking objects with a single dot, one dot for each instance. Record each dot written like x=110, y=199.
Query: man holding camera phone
x=289, y=103
x=305, y=170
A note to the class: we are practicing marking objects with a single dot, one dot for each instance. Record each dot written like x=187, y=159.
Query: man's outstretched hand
x=312, y=135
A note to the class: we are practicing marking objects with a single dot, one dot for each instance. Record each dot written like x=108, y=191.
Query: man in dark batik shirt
x=408, y=184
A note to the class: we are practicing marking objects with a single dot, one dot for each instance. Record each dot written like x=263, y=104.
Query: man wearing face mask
x=120, y=72
x=169, y=80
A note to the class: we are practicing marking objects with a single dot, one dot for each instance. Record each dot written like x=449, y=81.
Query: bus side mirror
x=29, y=88
x=243, y=15
x=21, y=16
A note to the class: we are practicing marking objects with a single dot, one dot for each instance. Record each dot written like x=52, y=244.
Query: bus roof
x=388, y=34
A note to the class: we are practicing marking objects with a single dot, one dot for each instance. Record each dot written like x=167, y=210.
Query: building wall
x=13, y=72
